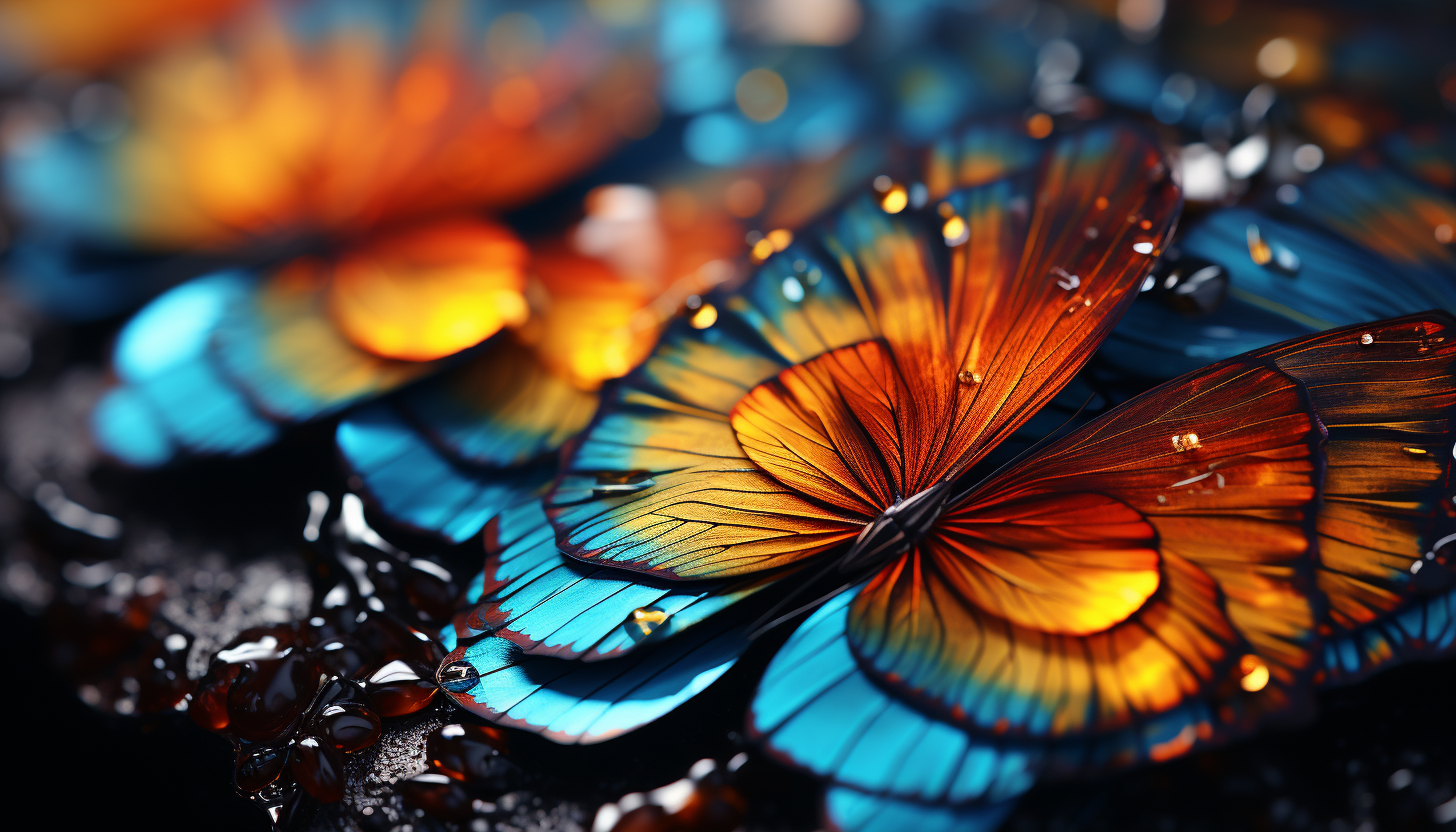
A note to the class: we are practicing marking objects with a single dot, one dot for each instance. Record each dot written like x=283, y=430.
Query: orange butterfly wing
x=1118, y=572
x=1387, y=394
x=921, y=340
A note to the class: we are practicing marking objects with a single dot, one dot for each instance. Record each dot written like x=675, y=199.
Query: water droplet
x=955, y=231
x=705, y=316
x=1066, y=280
x=1445, y=233
x=968, y=377
x=644, y=621
x=1259, y=250
x=1185, y=442
x=793, y=289
x=1090, y=233
x=1191, y=285
x=457, y=676
x=895, y=199
x=883, y=183
x=761, y=250
x=615, y=483
x=1253, y=673
x=1143, y=247
x=1100, y=203
x=780, y=238
x=1366, y=339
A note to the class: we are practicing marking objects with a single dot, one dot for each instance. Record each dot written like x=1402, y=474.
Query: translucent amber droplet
x=1254, y=673
x=1100, y=203
x=644, y=621
x=895, y=199
x=968, y=377
x=1366, y=339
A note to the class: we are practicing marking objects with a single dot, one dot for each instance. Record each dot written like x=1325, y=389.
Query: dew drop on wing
x=458, y=676
x=619, y=483
x=643, y=622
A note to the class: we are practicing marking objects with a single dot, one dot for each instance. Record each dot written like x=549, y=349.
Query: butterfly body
x=897, y=528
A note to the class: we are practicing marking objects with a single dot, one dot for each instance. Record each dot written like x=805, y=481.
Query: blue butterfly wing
x=552, y=605
x=588, y=702
x=279, y=346
x=415, y=484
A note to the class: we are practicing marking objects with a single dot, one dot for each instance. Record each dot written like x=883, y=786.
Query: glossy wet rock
x=437, y=795
x=468, y=753
x=319, y=767
x=269, y=696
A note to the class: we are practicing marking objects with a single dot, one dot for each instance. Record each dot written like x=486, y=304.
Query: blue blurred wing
x=415, y=485
x=1429, y=153
x=848, y=810
x=588, y=702
x=551, y=605
x=1392, y=216
x=172, y=397
x=1335, y=284
x=280, y=347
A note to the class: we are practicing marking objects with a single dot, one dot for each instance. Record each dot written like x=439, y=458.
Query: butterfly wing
x=172, y=397
x=1117, y=573
x=281, y=348
x=551, y=605
x=1395, y=217
x=588, y=702
x=819, y=708
x=1386, y=520
x=416, y=485
x=1335, y=283
x=500, y=408
x=961, y=326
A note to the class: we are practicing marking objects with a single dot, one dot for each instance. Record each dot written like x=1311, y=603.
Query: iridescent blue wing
x=588, y=702
x=1398, y=219
x=848, y=810
x=552, y=605
x=172, y=397
x=415, y=484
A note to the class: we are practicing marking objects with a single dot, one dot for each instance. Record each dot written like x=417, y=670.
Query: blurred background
x=227, y=226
